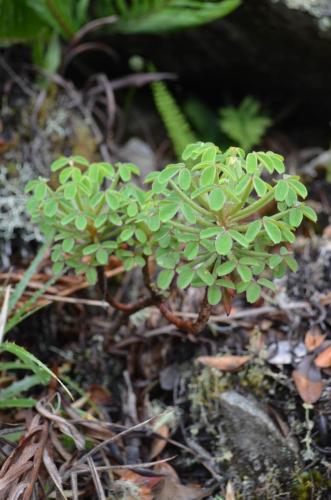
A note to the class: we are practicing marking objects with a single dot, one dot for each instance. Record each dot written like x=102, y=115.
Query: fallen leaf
x=314, y=338
x=168, y=489
x=323, y=360
x=308, y=380
x=158, y=444
x=166, y=469
x=224, y=363
x=99, y=394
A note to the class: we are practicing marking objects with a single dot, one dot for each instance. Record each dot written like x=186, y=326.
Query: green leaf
x=191, y=250
x=267, y=283
x=266, y=161
x=67, y=219
x=244, y=272
x=296, y=216
x=168, y=173
x=277, y=161
x=253, y=293
x=209, y=232
x=309, y=213
x=168, y=211
x=132, y=209
x=57, y=267
x=91, y=276
x=214, y=295
x=91, y=249
x=18, y=403
x=125, y=172
x=102, y=256
x=189, y=213
x=249, y=261
x=59, y=163
x=274, y=261
x=153, y=223
x=292, y=263
x=126, y=234
x=205, y=276
x=165, y=278
x=260, y=186
x=253, y=230
x=40, y=191
x=299, y=188
x=251, y=163
x=68, y=244
x=185, y=278
x=239, y=238
x=226, y=268
x=216, y=199
x=272, y=230
x=70, y=191
x=100, y=220
x=223, y=244
x=184, y=179
x=208, y=176
x=226, y=283
x=32, y=362
x=80, y=222
x=112, y=199
x=50, y=208
x=281, y=190
x=288, y=235
x=141, y=235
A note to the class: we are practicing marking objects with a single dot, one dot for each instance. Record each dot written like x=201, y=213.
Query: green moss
x=310, y=484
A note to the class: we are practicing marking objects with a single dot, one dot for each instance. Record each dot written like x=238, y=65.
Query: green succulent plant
x=223, y=221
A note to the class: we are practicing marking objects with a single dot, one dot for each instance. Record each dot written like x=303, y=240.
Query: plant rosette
x=208, y=228
x=90, y=215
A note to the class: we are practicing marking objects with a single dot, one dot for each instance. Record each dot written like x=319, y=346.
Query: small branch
x=194, y=327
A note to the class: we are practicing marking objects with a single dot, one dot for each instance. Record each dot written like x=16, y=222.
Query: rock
x=138, y=152
x=254, y=440
x=277, y=50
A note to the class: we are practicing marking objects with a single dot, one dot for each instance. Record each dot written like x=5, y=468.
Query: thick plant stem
x=189, y=326
x=155, y=299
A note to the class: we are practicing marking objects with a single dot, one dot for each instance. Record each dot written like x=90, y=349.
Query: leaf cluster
x=219, y=220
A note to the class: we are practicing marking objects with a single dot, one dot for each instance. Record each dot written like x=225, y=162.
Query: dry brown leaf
x=323, y=360
x=158, y=445
x=308, y=380
x=53, y=472
x=145, y=483
x=166, y=469
x=314, y=339
x=169, y=489
x=224, y=363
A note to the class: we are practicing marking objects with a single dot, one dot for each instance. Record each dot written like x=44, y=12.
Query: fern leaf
x=177, y=126
x=245, y=125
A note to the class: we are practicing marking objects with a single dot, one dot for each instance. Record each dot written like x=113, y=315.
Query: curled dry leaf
x=314, y=339
x=308, y=380
x=158, y=444
x=323, y=360
x=224, y=363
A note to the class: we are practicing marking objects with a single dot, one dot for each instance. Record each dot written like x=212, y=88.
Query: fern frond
x=245, y=125
x=178, y=128
x=155, y=16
